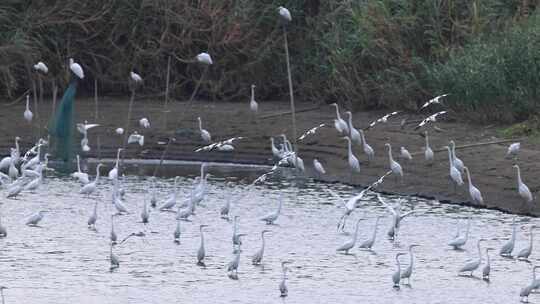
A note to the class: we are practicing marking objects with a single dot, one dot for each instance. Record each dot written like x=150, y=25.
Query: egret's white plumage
x=513, y=150
x=460, y=240
x=34, y=219
x=201, y=252
x=523, y=190
x=354, y=164
x=28, y=115
x=91, y=187
x=204, y=58
x=135, y=77
x=258, y=256
x=205, y=135
x=368, y=244
x=339, y=123
x=144, y=123
x=455, y=175
x=472, y=265
x=476, y=195
x=428, y=152
x=271, y=217
x=318, y=167
x=41, y=67
x=368, y=150
x=348, y=245
x=79, y=175
x=396, y=277
x=253, y=105
x=284, y=14
x=407, y=273
x=405, y=153
x=508, y=247
x=353, y=133
x=526, y=252
x=394, y=165
x=458, y=163
x=113, y=174
x=76, y=68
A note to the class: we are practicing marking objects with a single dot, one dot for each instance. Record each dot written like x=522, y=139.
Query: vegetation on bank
x=365, y=54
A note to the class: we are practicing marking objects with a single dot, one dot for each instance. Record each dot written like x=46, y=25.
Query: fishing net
x=61, y=127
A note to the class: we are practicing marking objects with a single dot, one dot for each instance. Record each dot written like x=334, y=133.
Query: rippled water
x=62, y=260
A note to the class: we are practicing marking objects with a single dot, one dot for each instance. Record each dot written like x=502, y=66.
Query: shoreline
x=491, y=172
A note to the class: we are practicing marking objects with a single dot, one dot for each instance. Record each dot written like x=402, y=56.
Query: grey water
x=62, y=261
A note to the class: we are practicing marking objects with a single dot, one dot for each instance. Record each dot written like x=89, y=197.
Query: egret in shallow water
x=226, y=208
x=428, y=152
x=145, y=213
x=177, y=232
x=90, y=188
x=284, y=291
x=407, y=273
x=258, y=256
x=34, y=219
x=2, y=293
x=472, y=265
x=235, y=237
x=271, y=217
x=350, y=243
x=205, y=135
x=171, y=201
x=201, y=253
x=3, y=230
x=79, y=175
x=112, y=236
x=487, y=268
x=460, y=240
x=93, y=217
x=523, y=190
x=526, y=252
x=506, y=249
x=526, y=291
x=396, y=277
x=253, y=105
x=368, y=244
x=153, y=192
x=28, y=115
x=339, y=123
x=476, y=195
x=232, y=267
x=458, y=163
x=115, y=261
x=113, y=174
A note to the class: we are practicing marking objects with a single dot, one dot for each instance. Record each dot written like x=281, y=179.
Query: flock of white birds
x=25, y=172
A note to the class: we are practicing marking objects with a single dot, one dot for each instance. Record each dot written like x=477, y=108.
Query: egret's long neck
x=95, y=207
x=235, y=227
x=202, y=238
x=350, y=147
x=362, y=138
x=117, y=157
x=468, y=228
x=27, y=102
x=263, y=241
x=427, y=141
x=78, y=163
x=337, y=112
x=350, y=122
x=488, y=261
x=200, y=124
x=17, y=145
x=450, y=160
x=252, y=93
x=519, y=176
x=398, y=264
x=513, y=232
x=469, y=178
x=390, y=154
x=97, y=174
x=280, y=204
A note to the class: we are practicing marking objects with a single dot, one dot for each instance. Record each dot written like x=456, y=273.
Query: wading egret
x=318, y=167
x=201, y=253
x=394, y=165
x=405, y=153
x=93, y=217
x=153, y=194
x=368, y=150
x=350, y=243
x=79, y=175
x=354, y=164
x=428, y=152
x=487, y=268
x=115, y=261
x=476, y=195
x=76, y=68
x=353, y=133
x=91, y=187
x=284, y=291
x=397, y=216
x=526, y=291
x=275, y=151
x=339, y=123
x=523, y=190
x=460, y=240
x=368, y=244
x=145, y=213
x=177, y=232
x=112, y=236
x=113, y=174
x=233, y=265
x=407, y=273
x=506, y=249
x=253, y=105
x=472, y=265
x=513, y=150
x=235, y=236
x=3, y=230
x=458, y=163
x=226, y=208
x=526, y=252
x=205, y=135
x=34, y=219
x=258, y=256
x=171, y=201
x=396, y=277
x=271, y=217
x=455, y=175
x=28, y=115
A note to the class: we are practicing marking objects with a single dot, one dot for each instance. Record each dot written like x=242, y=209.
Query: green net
x=61, y=127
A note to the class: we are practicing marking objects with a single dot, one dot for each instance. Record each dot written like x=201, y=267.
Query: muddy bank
x=491, y=172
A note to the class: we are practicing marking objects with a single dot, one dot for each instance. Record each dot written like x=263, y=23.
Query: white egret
x=201, y=253
x=205, y=135
x=284, y=14
x=353, y=133
x=348, y=245
x=428, y=152
x=284, y=291
x=472, y=265
x=526, y=252
x=37, y=181
x=115, y=261
x=513, y=150
x=233, y=265
x=253, y=105
x=15, y=188
x=136, y=78
x=405, y=153
x=394, y=165
x=119, y=131
x=76, y=68
x=83, y=129
x=368, y=150
x=476, y=195
x=460, y=240
x=93, y=217
x=455, y=175
x=117, y=200
x=487, y=268
x=433, y=100
x=271, y=217
x=204, y=58
x=523, y=190
x=458, y=163
x=112, y=236
x=339, y=123
x=431, y=118
x=34, y=219
x=113, y=174
x=535, y=282
x=354, y=164
x=136, y=138
x=349, y=205
x=396, y=277
x=90, y=188
x=171, y=201
x=13, y=172
x=41, y=67
x=144, y=123
x=318, y=167
x=235, y=237
x=407, y=273
x=79, y=175
x=368, y=244
x=526, y=291
x=397, y=216
x=258, y=256
x=185, y=213
x=28, y=115
x=506, y=249
x=177, y=232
